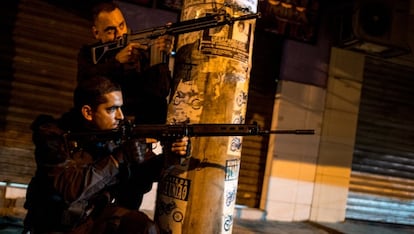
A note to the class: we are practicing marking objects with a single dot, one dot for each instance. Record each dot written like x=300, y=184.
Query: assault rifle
x=144, y=36
x=165, y=131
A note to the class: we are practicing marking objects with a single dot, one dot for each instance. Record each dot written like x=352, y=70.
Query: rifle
x=144, y=36
x=165, y=131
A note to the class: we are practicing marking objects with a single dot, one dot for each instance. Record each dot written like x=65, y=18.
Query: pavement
x=348, y=227
x=13, y=225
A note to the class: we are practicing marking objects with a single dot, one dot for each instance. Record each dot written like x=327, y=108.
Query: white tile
x=302, y=212
x=301, y=145
x=327, y=215
x=346, y=64
x=339, y=126
x=331, y=192
x=316, y=97
x=282, y=190
x=304, y=193
x=343, y=95
x=334, y=196
x=307, y=172
x=280, y=211
x=302, y=96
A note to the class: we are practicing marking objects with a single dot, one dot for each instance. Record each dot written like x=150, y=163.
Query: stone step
x=245, y=212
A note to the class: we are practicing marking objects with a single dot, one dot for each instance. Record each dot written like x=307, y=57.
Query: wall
x=320, y=88
x=337, y=136
x=292, y=158
x=309, y=175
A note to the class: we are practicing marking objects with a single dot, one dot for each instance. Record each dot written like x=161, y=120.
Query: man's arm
x=86, y=68
x=153, y=81
x=72, y=175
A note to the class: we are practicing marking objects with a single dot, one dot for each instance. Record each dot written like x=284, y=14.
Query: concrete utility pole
x=212, y=72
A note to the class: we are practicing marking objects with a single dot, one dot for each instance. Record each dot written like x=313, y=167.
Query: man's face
x=109, y=26
x=108, y=115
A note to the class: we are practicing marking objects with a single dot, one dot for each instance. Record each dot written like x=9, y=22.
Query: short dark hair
x=91, y=91
x=103, y=7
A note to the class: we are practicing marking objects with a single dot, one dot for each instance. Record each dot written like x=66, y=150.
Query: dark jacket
x=145, y=88
x=70, y=185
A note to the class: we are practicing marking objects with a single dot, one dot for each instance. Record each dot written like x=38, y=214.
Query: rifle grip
x=188, y=150
x=157, y=56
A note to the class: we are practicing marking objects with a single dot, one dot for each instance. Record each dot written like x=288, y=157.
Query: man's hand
x=134, y=151
x=164, y=43
x=180, y=146
x=160, y=48
x=131, y=53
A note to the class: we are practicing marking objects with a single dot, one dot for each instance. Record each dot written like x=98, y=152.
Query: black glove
x=136, y=151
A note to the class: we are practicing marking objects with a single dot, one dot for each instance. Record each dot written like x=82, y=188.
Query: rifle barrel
x=294, y=131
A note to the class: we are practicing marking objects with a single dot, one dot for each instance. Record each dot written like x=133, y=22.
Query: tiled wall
x=338, y=136
x=309, y=174
x=294, y=157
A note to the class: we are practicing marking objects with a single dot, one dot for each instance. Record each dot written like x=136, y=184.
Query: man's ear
x=87, y=112
x=95, y=32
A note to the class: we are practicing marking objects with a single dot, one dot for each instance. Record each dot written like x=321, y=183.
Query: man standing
x=146, y=86
x=83, y=185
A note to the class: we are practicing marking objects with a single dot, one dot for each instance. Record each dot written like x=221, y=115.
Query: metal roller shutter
x=382, y=178
x=38, y=75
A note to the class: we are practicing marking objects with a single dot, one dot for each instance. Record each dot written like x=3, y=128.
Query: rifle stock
x=145, y=36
